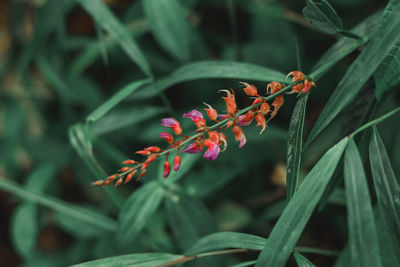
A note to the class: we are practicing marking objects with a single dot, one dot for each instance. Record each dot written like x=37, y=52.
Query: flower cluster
x=211, y=138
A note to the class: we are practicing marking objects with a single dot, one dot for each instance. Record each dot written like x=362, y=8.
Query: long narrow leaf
x=294, y=146
x=137, y=210
x=298, y=211
x=211, y=69
x=115, y=99
x=167, y=22
x=363, y=238
x=88, y=216
x=108, y=21
x=387, y=188
x=224, y=240
x=302, y=261
x=360, y=71
x=136, y=260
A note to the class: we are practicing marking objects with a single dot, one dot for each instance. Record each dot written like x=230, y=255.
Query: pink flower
x=245, y=119
x=167, y=137
x=196, y=117
x=194, y=148
x=173, y=124
x=213, y=150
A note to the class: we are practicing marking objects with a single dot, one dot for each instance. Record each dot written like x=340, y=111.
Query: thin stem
x=375, y=122
x=207, y=254
x=350, y=34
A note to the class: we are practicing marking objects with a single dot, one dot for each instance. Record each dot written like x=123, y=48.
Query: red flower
x=249, y=89
x=230, y=101
x=239, y=136
x=173, y=124
x=211, y=113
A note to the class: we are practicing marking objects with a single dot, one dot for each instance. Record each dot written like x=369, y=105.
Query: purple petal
x=193, y=115
x=242, y=141
x=212, y=152
x=242, y=122
x=223, y=116
x=193, y=148
x=169, y=122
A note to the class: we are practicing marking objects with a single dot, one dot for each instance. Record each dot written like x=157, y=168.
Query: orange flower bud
x=278, y=102
x=143, y=152
x=177, y=163
x=167, y=137
x=130, y=175
x=167, y=168
x=274, y=87
x=296, y=76
x=264, y=109
x=249, y=89
x=257, y=100
x=150, y=159
x=143, y=173
x=214, y=136
x=153, y=149
x=260, y=119
x=211, y=112
x=98, y=183
x=230, y=101
x=118, y=182
x=129, y=161
x=239, y=136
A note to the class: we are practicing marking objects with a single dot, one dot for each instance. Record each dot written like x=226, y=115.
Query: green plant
x=91, y=81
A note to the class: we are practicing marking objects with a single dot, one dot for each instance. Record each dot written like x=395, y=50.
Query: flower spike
x=212, y=137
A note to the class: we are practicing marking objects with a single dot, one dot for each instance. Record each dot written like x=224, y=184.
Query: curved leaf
x=167, y=22
x=137, y=209
x=387, y=188
x=323, y=16
x=137, y=260
x=360, y=71
x=79, y=213
x=225, y=240
x=110, y=23
x=211, y=69
x=294, y=146
x=302, y=261
x=189, y=219
x=298, y=211
x=363, y=238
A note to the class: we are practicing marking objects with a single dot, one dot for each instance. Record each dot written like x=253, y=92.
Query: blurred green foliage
x=85, y=83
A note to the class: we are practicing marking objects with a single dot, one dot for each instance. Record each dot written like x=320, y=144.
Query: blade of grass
x=90, y=217
x=211, y=69
x=302, y=261
x=115, y=99
x=294, y=146
x=110, y=23
x=291, y=223
x=360, y=71
x=363, y=238
x=387, y=188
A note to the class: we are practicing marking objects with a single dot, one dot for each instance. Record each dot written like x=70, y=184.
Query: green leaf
x=244, y=264
x=189, y=219
x=108, y=21
x=124, y=117
x=224, y=240
x=301, y=260
x=294, y=146
x=90, y=217
x=388, y=75
x=360, y=71
x=387, y=188
x=323, y=16
x=344, y=46
x=80, y=140
x=363, y=238
x=115, y=99
x=298, y=211
x=137, y=260
x=137, y=210
x=211, y=69
x=167, y=22
x=24, y=229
